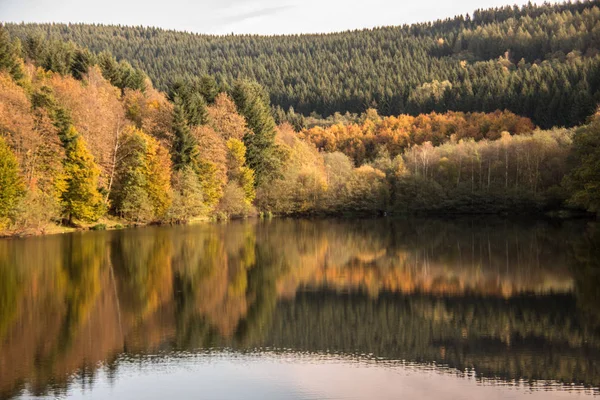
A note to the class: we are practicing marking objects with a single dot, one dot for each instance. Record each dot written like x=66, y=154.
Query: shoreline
x=109, y=224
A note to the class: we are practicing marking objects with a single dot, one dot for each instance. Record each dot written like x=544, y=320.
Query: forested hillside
x=86, y=140
x=541, y=62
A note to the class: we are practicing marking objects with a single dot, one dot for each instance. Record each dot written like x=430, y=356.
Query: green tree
x=209, y=88
x=263, y=155
x=190, y=96
x=10, y=60
x=82, y=61
x=185, y=146
x=584, y=179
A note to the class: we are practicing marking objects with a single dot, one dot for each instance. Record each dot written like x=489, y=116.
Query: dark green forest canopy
x=541, y=61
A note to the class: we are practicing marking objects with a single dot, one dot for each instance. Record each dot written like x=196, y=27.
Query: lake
x=305, y=309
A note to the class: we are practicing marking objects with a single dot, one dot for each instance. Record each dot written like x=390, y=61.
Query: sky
x=243, y=16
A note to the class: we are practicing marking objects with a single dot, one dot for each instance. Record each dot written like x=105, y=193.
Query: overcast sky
x=243, y=16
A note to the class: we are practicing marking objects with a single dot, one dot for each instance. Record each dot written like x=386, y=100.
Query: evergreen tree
x=9, y=56
x=584, y=179
x=129, y=77
x=82, y=61
x=185, y=149
x=263, y=155
x=189, y=95
x=109, y=67
x=34, y=47
x=208, y=88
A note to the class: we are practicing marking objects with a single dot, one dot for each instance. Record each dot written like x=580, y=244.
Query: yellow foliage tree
x=143, y=182
x=81, y=198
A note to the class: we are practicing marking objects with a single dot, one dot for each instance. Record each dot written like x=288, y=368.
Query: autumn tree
x=237, y=170
x=79, y=194
x=224, y=118
x=303, y=181
x=81, y=199
x=211, y=148
x=96, y=111
x=208, y=177
x=33, y=138
x=151, y=112
x=188, y=198
x=11, y=185
x=142, y=185
x=239, y=191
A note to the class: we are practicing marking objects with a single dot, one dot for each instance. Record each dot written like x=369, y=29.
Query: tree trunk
x=114, y=164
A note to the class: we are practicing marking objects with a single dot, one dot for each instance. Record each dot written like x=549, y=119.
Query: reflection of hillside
x=524, y=337
x=459, y=293
x=451, y=258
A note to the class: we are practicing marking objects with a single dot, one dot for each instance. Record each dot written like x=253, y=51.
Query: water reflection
x=507, y=301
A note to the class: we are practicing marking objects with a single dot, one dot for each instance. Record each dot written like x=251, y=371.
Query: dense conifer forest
x=538, y=61
x=429, y=118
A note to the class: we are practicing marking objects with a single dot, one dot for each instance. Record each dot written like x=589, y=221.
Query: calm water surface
x=297, y=309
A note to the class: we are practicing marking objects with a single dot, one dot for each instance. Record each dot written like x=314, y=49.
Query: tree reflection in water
x=511, y=300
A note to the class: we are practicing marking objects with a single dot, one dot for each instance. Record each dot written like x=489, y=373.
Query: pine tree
x=262, y=154
x=109, y=67
x=34, y=47
x=190, y=95
x=185, y=149
x=129, y=77
x=9, y=56
x=208, y=88
x=82, y=60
